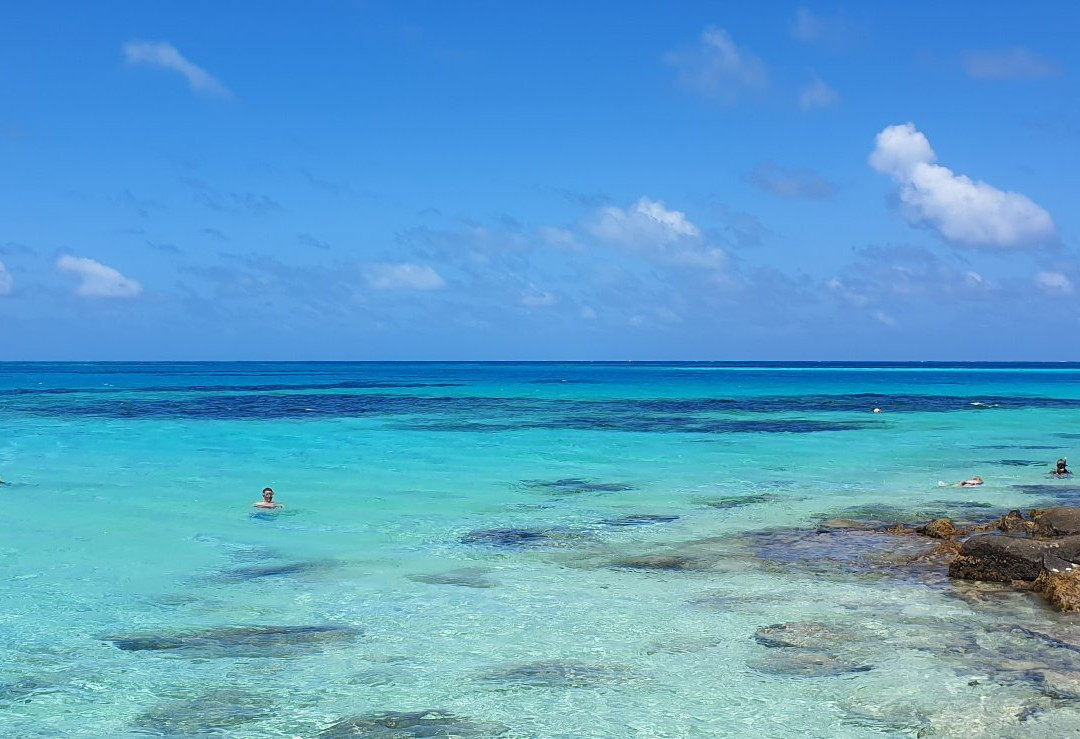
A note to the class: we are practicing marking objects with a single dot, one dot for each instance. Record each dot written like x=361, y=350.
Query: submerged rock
x=574, y=485
x=262, y=571
x=803, y=634
x=640, y=519
x=518, y=538
x=210, y=713
x=555, y=674
x=402, y=725
x=466, y=578
x=739, y=501
x=805, y=663
x=674, y=562
x=238, y=641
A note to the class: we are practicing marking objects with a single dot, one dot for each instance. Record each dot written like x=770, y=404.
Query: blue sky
x=498, y=180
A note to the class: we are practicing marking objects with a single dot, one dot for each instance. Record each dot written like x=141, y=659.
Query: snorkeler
x=268, y=500
x=1061, y=469
x=973, y=482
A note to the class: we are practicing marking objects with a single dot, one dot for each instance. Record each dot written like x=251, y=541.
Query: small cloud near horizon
x=98, y=280
x=962, y=210
x=165, y=55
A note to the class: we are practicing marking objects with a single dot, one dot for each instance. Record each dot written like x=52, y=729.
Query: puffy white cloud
x=648, y=220
x=165, y=55
x=719, y=69
x=97, y=279
x=1006, y=64
x=963, y=210
x=656, y=233
x=403, y=276
x=1054, y=282
x=786, y=183
x=7, y=282
x=818, y=94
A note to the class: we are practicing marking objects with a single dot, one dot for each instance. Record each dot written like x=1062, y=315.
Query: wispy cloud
x=403, y=276
x=1054, y=282
x=833, y=32
x=790, y=183
x=962, y=210
x=98, y=280
x=818, y=94
x=165, y=55
x=1008, y=64
x=7, y=282
x=718, y=69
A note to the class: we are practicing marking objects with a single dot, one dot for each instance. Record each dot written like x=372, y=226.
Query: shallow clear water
x=455, y=538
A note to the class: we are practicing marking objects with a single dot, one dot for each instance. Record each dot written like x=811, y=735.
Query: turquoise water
x=456, y=538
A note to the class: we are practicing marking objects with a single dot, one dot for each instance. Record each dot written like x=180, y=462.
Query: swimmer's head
x=268, y=494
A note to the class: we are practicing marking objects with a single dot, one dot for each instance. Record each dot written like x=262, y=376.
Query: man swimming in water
x=973, y=482
x=268, y=500
x=1061, y=469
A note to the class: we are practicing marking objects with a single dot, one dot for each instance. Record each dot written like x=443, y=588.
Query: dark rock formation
x=1040, y=552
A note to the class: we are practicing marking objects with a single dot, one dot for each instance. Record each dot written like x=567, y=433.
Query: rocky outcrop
x=1039, y=552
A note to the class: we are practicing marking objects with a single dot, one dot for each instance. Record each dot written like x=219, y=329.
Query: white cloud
x=818, y=94
x=719, y=69
x=403, y=276
x=658, y=234
x=97, y=279
x=7, y=282
x=963, y=210
x=1054, y=282
x=164, y=54
x=1007, y=64
x=648, y=220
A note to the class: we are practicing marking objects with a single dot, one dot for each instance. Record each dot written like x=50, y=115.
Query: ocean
x=524, y=550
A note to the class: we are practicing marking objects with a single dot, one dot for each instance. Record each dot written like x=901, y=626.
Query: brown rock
x=1014, y=521
x=1061, y=587
x=997, y=558
x=994, y=558
x=940, y=529
x=1063, y=521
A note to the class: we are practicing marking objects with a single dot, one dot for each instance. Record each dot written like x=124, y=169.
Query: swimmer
x=1061, y=469
x=268, y=500
x=973, y=482
x=877, y=410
